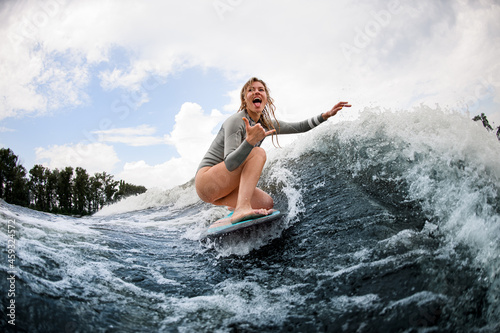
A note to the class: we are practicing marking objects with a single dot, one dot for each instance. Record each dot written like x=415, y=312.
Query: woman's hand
x=256, y=133
x=335, y=109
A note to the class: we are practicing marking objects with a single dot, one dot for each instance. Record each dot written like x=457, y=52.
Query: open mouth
x=257, y=101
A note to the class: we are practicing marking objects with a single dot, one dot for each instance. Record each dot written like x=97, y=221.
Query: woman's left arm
x=306, y=125
x=335, y=109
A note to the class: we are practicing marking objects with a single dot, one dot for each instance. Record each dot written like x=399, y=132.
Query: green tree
x=126, y=190
x=109, y=187
x=65, y=190
x=20, y=190
x=38, y=187
x=103, y=188
x=486, y=124
x=59, y=191
x=484, y=120
x=81, y=191
x=51, y=190
x=97, y=197
x=13, y=183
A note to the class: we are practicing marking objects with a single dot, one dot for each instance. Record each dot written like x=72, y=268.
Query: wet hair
x=268, y=111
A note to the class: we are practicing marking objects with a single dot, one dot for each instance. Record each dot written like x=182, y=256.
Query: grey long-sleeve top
x=231, y=147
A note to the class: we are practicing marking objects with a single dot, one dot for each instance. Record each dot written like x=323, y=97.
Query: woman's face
x=256, y=100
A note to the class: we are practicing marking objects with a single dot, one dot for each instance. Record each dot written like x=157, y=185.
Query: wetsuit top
x=231, y=147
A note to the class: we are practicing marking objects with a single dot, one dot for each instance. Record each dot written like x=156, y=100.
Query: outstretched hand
x=256, y=133
x=336, y=109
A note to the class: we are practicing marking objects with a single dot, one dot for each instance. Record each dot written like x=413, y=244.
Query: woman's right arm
x=239, y=141
x=236, y=148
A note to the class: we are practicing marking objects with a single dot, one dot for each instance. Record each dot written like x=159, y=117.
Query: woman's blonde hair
x=265, y=120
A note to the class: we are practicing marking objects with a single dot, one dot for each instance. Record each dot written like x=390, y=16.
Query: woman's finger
x=270, y=132
x=247, y=123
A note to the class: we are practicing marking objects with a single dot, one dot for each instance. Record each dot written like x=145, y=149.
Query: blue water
x=392, y=225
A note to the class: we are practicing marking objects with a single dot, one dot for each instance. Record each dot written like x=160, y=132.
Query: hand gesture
x=256, y=133
x=336, y=109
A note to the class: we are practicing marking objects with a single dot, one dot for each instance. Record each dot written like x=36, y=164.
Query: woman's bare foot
x=248, y=214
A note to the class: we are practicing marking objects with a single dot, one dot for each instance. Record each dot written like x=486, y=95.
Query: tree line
x=67, y=191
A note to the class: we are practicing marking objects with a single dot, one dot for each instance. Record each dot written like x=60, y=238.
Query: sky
x=139, y=89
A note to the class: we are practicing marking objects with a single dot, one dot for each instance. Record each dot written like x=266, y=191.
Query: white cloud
x=165, y=175
x=35, y=78
x=191, y=136
x=5, y=129
x=406, y=52
x=127, y=131
x=132, y=136
x=94, y=157
x=193, y=131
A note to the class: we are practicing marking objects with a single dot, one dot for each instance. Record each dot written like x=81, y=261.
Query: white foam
x=177, y=198
x=450, y=163
x=234, y=302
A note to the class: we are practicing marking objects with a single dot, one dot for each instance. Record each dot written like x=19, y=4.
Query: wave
x=437, y=164
x=392, y=198
x=437, y=158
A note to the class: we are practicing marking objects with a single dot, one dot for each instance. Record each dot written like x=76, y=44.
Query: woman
x=230, y=170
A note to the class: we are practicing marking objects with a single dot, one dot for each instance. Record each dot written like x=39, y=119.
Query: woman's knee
x=269, y=203
x=260, y=153
x=213, y=184
x=206, y=190
x=206, y=194
x=262, y=200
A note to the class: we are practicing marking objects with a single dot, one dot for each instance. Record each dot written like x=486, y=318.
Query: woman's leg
x=260, y=200
x=237, y=188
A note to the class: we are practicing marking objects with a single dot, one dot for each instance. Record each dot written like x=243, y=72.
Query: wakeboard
x=224, y=225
